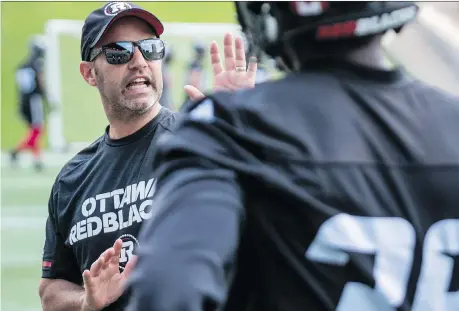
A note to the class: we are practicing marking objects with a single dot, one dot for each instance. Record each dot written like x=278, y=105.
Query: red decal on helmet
x=338, y=30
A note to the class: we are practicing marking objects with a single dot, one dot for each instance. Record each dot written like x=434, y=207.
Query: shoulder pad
x=204, y=111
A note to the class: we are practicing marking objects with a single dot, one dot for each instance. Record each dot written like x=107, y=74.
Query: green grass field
x=24, y=209
x=22, y=19
x=24, y=195
x=23, y=216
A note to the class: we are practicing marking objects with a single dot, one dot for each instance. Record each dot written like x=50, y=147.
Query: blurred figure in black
x=265, y=63
x=30, y=84
x=166, y=99
x=195, y=74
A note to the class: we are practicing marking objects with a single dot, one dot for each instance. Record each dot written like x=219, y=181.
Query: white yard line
x=51, y=159
x=9, y=207
x=27, y=222
x=20, y=262
x=8, y=305
x=32, y=181
x=31, y=223
x=18, y=308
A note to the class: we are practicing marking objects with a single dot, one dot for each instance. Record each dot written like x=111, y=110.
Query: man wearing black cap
x=101, y=196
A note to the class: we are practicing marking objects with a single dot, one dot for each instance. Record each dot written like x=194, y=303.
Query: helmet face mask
x=287, y=30
x=254, y=20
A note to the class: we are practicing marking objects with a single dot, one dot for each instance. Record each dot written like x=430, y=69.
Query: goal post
x=76, y=117
x=53, y=30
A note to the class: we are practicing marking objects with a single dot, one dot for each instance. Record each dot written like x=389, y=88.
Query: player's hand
x=236, y=75
x=104, y=283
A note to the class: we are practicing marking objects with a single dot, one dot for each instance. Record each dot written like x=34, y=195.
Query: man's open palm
x=104, y=283
x=236, y=75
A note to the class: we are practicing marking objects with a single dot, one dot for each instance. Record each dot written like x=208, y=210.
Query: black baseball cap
x=97, y=23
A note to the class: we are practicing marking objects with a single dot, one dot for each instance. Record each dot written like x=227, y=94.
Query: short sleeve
x=59, y=261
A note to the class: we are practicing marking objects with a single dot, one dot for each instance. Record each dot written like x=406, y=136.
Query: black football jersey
x=27, y=80
x=103, y=194
x=335, y=188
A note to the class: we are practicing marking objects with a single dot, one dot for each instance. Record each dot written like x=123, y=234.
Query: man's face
x=121, y=96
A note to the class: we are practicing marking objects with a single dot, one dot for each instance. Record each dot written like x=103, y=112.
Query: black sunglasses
x=118, y=53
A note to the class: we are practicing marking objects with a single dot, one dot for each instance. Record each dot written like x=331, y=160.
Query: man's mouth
x=138, y=84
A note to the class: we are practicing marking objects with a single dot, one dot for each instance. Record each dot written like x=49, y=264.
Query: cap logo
x=116, y=7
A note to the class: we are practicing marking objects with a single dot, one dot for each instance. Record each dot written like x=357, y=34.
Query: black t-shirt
x=102, y=194
x=336, y=188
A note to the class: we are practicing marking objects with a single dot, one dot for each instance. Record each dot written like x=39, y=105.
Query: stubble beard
x=125, y=110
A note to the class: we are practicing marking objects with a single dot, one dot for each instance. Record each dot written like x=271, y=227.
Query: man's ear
x=88, y=73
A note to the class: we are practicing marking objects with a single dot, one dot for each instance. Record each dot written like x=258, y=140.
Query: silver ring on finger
x=240, y=68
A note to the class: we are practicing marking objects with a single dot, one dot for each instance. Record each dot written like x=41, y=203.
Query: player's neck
x=121, y=128
x=371, y=55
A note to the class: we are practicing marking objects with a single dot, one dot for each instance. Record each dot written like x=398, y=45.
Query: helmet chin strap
x=294, y=59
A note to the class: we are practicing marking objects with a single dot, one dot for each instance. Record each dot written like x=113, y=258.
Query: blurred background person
x=265, y=64
x=30, y=84
x=166, y=97
x=195, y=74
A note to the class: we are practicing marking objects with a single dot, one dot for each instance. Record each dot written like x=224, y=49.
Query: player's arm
x=38, y=67
x=60, y=295
x=59, y=287
x=42, y=82
x=187, y=249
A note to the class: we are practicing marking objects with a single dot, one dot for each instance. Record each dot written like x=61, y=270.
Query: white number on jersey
x=392, y=241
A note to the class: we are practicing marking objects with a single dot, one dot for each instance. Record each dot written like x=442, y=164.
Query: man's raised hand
x=235, y=74
x=104, y=283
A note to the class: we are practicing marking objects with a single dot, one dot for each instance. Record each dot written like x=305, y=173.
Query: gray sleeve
x=188, y=248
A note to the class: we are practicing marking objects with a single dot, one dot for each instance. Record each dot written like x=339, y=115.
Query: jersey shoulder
x=168, y=120
x=271, y=99
x=77, y=161
x=438, y=112
x=436, y=97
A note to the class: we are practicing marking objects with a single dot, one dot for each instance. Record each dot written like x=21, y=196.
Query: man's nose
x=137, y=61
